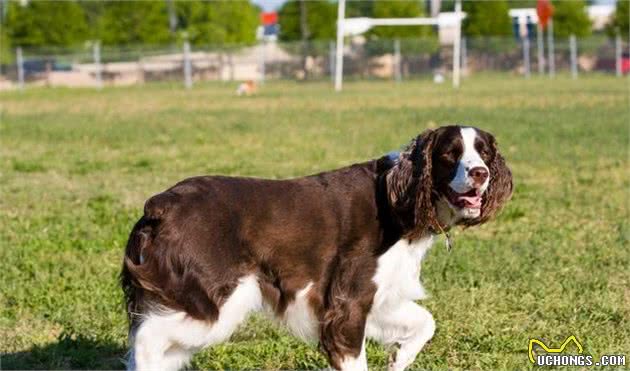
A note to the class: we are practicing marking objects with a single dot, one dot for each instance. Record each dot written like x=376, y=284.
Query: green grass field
x=77, y=165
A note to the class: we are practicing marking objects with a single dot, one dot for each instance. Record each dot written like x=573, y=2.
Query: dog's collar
x=443, y=230
x=449, y=241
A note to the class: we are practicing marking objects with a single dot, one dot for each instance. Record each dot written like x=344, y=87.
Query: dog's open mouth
x=469, y=200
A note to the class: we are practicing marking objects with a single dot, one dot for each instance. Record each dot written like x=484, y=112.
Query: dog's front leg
x=347, y=303
x=414, y=327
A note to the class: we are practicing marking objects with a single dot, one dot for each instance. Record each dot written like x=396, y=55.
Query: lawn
x=77, y=165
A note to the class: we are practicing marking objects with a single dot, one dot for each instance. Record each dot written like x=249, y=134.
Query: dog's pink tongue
x=471, y=201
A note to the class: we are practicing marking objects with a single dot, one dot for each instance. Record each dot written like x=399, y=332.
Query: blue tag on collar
x=393, y=155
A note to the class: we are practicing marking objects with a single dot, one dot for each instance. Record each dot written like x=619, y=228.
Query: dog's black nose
x=478, y=174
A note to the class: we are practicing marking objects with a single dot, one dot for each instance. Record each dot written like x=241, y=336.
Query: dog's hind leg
x=167, y=340
x=152, y=343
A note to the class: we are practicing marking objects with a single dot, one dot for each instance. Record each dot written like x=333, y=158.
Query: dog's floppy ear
x=399, y=180
x=410, y=185
x=425, y=217
x=500, y=188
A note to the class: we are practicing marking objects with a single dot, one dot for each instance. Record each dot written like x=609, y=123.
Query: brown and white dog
x=335, y=256
x=247, y=88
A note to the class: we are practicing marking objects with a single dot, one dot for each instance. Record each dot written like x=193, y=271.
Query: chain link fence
x=98, y=66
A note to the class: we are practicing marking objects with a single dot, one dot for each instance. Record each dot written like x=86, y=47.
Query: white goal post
x=354, y=26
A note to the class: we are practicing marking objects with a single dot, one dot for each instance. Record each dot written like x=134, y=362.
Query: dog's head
x=453, y=175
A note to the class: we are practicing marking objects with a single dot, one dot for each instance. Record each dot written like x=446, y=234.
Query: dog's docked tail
x=137, y=278
x=130, y=280
x=157, y=273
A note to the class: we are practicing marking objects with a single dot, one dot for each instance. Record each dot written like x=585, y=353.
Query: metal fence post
x=96, y=54
x=187, y=66
x=464, y=54
x=140, y=69
x=262, y=61
x=573, y=47
x=540, y=46
x=20, y=66
x=331, y=60
x=456, y=44
x=526, y=62
x=397, y=72
x=341, y=12
x=618, y=55
x=231, y=65
x=550, y=50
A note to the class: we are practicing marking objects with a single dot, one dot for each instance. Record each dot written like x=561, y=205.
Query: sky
x=269, y=5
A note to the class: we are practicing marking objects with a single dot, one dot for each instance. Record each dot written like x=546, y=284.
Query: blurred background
x=97, y=43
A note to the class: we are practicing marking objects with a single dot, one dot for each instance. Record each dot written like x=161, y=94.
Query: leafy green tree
x=46, y=23
x=221, y=22
x=93, y=11
x=620, y=22
x=134, y=22
x=522, y=4
x=310, y=22
x=398, y=9
x=380, y=39
x=321, y=19
x=359, y=8
x=238, y=19
x=488, y=25
x=6, y=51
x=570, y=17
x=487, y=18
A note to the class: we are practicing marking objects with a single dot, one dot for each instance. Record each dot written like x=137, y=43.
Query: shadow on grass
x=69, y=352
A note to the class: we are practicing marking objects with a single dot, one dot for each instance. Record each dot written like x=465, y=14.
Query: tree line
x=73, y=23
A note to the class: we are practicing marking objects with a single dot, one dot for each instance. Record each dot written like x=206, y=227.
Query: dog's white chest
x=398, y=285
x=398, y=273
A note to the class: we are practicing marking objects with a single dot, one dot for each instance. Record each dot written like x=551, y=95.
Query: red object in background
x=625, y=64
x=268, y=18
x=545, y=12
